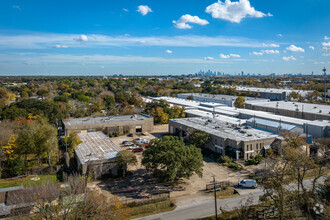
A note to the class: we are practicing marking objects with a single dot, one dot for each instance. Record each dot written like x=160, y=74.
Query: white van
x=248, y=183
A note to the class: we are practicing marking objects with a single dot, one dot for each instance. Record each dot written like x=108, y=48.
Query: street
x=204, y=206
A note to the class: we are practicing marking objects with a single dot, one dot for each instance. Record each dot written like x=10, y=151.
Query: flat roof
x=108, y=119
x=273, y=124
x=95, y=146
x=270, y=90
x=221, y=129
x=221, y=97
x=223, y=118
x=187, y=102
x=301, y=107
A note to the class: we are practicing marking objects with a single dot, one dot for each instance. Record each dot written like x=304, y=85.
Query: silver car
x=248, y=183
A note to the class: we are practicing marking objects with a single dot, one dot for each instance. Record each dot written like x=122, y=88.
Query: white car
x=128, y=143
x=133, y=147
x=248, y=183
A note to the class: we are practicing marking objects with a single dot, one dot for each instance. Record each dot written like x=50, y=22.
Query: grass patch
x=227, y=192
x=151, y=209
x=27, y=182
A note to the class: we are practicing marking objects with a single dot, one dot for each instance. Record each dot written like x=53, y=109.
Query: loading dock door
x=138, y=129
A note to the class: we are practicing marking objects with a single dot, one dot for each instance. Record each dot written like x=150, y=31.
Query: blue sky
x=58, y=37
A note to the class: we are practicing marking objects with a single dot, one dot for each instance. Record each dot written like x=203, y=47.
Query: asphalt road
x=204, y=206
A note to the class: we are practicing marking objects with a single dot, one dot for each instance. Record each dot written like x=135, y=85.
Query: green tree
x=72, y=141
x=171, y=159
x=125, y=158
x=200, y=139
x=239, y=102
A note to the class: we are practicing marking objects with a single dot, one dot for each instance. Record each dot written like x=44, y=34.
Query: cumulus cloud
x=326, y=38
x=60, y=46
x=258, y=53
x=270, y=45
x=83, y=38
x=125, y=9
x=168, y=51
x=144, y=9
x=290, y=58
x=279, y=35
x=326, y=46
x=183, y=21
x=271, y=51
x=293, y=48
x=311, y=47
x=223, y=56
x=208, y=58
x=234, y=11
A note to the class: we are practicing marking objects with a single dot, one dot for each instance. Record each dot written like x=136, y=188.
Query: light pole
x=215, y=198
x=325, y=83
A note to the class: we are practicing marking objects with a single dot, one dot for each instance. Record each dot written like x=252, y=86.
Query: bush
x=17, y=166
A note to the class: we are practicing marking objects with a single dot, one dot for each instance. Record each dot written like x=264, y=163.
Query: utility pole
x=215, y=198
x=325, y=84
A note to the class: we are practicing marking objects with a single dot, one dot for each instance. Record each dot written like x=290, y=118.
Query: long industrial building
x=293, y=109
x=268, y=121
x=240, y=142
x=222, y=99
x=110, y=125
x=273, y=94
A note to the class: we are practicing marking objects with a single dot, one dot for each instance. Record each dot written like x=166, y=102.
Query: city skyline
x=163, y=37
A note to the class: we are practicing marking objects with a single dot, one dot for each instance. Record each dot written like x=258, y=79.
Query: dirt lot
x=141, y=180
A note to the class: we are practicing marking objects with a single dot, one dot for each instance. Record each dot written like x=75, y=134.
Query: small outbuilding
x=97, y=153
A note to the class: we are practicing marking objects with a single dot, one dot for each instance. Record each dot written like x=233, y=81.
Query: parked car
x=137, y=140
x=124, y=142
x=139, y=149
x=128, y=143
x=248, y=183
x=133, y=147
x=130, y=135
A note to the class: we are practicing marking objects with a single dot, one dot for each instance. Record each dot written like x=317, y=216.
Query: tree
x=239, y=102
x=125, y=158
x=171, y=159
x=160, y=117
x=200, y=139
x=72, y=141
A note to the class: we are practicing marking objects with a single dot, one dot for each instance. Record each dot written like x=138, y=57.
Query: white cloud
x=271, y=51
x=279, y=35
x=102, y=67
x=83, y=38
x=184, y=19
x=168, y=51
x=47, y=40
x=208, y=58
x=311, y=47
x=144, y=9
x=293, y=48
x=17, y=7
x=326, y=54
x=60, y=46
x=125, y=9
x=326, y=38
x=257, y=53
x=326, y=46
x=234, y=11
x=289, y=58
x=222, y=56
x=318, y=63
x=270, y=45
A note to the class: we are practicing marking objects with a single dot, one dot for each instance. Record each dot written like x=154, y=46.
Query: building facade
x=111, y=125
x=239, y=142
